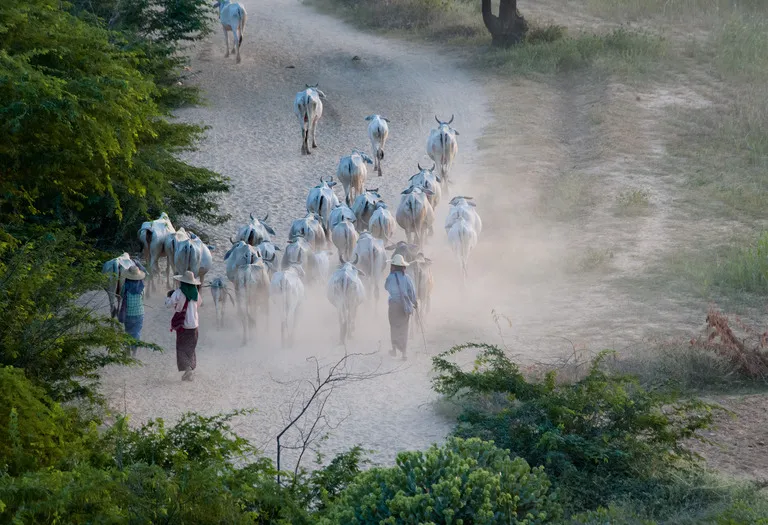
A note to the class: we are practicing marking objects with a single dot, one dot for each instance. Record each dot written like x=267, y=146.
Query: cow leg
x=226, y=41
x=314, y=133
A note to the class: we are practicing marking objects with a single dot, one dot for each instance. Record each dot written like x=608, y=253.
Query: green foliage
x=83, y=141
x=601, y=438
x=35, y=432
x=464, y=481
x=186, y=474
x=46, y=327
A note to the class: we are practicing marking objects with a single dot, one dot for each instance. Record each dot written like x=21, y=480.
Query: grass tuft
x=568, y=197
x=633, y=201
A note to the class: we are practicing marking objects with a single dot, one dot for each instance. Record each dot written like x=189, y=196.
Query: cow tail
x=243, y=18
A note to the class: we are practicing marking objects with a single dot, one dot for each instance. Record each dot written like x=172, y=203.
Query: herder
x=402, y=303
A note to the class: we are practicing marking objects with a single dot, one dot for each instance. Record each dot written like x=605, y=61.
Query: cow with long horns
x=311, y=228
x=461, y=206
x=255, y=232
x=426, y=178
x=152, y=235
x=308, y=108
x=346, y=293
x=442, y=148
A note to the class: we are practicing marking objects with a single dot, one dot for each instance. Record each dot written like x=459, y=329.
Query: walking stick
x=421, y=327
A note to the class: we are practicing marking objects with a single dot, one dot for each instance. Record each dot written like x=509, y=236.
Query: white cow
x=297, y=252
x=382, y=223
x=287, y=289
x=372, y=260
x=463, y=207
x=152, y=236
x=233, y=18
x=352, y=173
x=255, y=232
x=308, y=108
x=267, y=250
x=192, y=254
x=340, y=213
x=346, y=293
x=311, y=228
x=239, y=255
x=426, y=178
x=220, y=293
x=321, y=200
x=344, y=237
x=415, y=214
x=442, y=147
x=378, y=132
x=115, y=270
x=253, y=280
x=463, y=238
x=363, y=208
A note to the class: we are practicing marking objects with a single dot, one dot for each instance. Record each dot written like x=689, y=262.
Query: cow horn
x=438, y=120
x=341, y=259
x=230, y=240
x=419, y=166
x=321, y=179
x=357, y=258
x=265, y=217
x=251, y=215
x=451, y=118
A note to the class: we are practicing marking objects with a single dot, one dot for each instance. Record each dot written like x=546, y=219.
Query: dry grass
x=633, y=201
x=568, y=197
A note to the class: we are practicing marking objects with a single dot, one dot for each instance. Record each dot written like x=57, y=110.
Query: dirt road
x=255, y=140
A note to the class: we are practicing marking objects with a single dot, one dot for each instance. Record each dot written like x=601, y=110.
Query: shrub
x=464, y=481
x=46, y=326
x=35, y=432
x=600, y=438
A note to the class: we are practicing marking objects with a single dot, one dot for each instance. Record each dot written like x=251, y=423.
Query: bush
x=47, y=327
x=36, y=432
x=601, y=438
x=464, y=481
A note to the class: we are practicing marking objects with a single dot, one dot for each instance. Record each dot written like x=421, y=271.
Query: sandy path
x=254, y=139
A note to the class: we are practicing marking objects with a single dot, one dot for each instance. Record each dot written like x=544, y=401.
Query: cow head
x=446, y=126
x=363, y=156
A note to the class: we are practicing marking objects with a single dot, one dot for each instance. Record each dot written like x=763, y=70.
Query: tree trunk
x=509, y=27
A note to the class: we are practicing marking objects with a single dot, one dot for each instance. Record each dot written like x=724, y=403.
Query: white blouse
x=176, y=301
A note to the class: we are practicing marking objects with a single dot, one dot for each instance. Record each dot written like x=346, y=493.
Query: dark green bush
x=47, y=327
x=463, y=481
x=601, y=438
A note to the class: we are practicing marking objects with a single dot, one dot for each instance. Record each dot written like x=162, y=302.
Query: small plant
x=594, y=259
x=633, y=201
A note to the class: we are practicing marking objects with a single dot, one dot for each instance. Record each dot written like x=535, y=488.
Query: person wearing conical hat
x=132, y=305
x=185, y=301
x=402, y=303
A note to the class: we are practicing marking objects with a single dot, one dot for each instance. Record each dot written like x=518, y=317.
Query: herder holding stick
x=402, y=304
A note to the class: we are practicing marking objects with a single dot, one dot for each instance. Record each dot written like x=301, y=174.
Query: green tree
x=464, y=481
x=47, y=326
x=84, y=140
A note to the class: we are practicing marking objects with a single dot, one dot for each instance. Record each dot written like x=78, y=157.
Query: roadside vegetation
x=87, y=149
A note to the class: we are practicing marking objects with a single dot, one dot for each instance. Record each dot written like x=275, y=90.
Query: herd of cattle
x=360, y=229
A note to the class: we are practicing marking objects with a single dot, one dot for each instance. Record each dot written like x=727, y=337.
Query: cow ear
x=322, y=95
x=332, y=184
x=407, y=192
x=361, y=272
x=385, y=119
x=438, y=178
x=212, y=248
x=472, y=204
x=456, y=133
x=270, y=230
x=369, y=117
x=277, y=248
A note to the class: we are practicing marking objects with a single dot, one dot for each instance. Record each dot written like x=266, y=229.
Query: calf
x=220, y=293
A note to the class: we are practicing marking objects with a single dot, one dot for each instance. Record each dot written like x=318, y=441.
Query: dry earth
x=517, y=139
